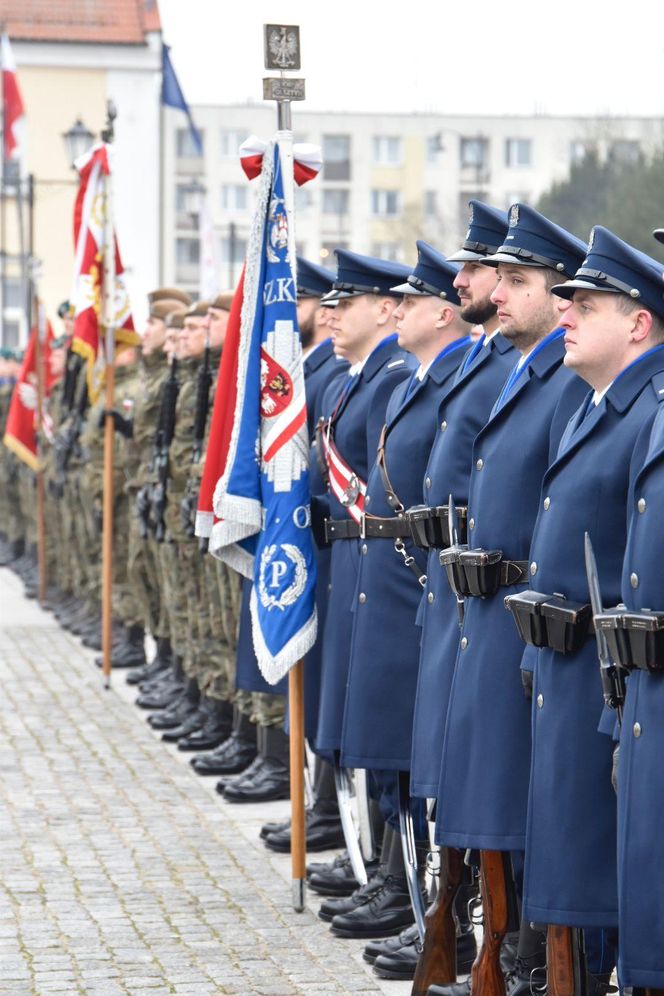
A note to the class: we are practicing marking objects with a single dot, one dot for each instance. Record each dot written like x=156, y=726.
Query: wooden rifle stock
x=565, y=962
x=496, y=889
x=437, y=960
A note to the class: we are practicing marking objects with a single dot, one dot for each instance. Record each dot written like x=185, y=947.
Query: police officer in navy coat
x=483, y=794
x=384, y=651
x=362, y=327
x=463, y=409
x=614, y=342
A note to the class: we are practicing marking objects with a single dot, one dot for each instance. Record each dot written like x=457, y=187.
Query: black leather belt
x=373, y=526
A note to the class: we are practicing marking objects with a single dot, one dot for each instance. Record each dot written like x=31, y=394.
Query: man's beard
x=307, y=329
x=478, y=312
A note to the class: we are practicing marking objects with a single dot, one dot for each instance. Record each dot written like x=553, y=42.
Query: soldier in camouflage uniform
x=11, y=547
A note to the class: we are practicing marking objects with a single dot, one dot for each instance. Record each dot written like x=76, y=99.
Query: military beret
x=163, y=300
x=613, y=266
x=223, y=301
x=487, y=228
x=433, y=275
x=533, y=240
x=357, y=275
x=197, y=309
x=175, y=319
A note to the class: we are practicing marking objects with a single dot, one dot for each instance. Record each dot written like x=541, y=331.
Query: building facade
x=386, y=179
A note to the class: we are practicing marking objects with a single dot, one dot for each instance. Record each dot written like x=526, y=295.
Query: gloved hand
x=614, y=768
x=527, y=683
x=124, y=426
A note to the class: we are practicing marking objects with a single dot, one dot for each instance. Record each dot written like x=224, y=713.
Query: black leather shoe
x=214, y=731
x=389, y=945
x=336, y=878
x=233, y=756
x=193, y=722
x=400, y=962
x=183, y=709
x=323, y=830
x=269, y=828
x=387, y=912
x=269, y=781
x=339, y=907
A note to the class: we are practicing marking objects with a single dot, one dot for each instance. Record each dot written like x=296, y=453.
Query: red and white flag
x=13, y=105
x=307, y=159
x=90, y=228
x=21, y=428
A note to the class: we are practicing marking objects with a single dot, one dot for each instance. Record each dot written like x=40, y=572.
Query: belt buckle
x=363, y=519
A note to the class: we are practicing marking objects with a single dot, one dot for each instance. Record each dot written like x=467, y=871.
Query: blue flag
x=261, y=502
x=172, y=96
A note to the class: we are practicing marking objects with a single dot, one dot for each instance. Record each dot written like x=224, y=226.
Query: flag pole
x=282, y=57
x=36, y=308
x=109, y=425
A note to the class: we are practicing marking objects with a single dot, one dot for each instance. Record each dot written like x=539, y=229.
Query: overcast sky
x=506, y=57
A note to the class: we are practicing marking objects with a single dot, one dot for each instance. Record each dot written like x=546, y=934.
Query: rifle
x=613, y=679
x=66, y=441
x=162, y=443
x=73, y=365
x=565, y=961
x=500, y=910
x=437, y=960
x=203, y=383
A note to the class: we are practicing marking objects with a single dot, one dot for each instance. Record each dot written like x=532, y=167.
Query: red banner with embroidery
x=90, y=228
x=21, y=428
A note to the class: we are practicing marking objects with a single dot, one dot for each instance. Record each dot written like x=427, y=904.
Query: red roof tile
x=121, y=22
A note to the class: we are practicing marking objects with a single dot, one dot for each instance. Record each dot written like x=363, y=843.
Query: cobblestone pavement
x=121, y=872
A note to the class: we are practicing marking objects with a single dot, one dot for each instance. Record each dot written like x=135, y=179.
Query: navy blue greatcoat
x=570, y=873
x=641, y=772
x=483, y=795
x=463, y=410
x=382, y=679
x=357, y=426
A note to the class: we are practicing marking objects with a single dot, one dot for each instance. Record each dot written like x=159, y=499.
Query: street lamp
x=193, y=197
x=77, y=141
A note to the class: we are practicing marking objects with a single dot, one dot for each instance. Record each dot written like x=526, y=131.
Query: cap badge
x=514, y=216
x=592, y=241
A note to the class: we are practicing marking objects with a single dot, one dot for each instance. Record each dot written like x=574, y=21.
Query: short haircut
x=627, y=305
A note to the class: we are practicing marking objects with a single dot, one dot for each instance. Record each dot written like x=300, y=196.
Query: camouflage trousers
x=268, y=709
x=126, y=606
x=144, y=576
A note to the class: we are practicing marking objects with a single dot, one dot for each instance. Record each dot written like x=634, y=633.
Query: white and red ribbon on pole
x=307, y=159
x=13, y=104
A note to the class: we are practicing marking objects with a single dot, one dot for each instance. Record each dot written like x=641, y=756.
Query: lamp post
x=78, y=140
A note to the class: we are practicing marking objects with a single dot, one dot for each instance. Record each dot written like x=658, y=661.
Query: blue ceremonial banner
x=172, y=96
x=261, y=502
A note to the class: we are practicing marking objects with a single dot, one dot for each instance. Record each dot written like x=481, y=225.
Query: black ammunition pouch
x=550, y=620
x=634, y=639
x=480, y=573
x=430, y=526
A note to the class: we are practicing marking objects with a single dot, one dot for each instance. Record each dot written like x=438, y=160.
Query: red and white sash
x=348, y=488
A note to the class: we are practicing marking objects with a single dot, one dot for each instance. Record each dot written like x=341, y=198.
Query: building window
x=234, y=197
x=335, y=201
x=185, y=146
x=11, y=333
x=302, y=199
x=625, y=152
x=230, y=143
x=187, y=252
x=430, y=202
x=15, y=294
x=336, y=157
x=326, y=253
x=386, y=150
x=518, y=152
x=578, y=150
x=385, y=203
x=387, y=250
x=474, y=152
x=233, y=251
x=434, y=148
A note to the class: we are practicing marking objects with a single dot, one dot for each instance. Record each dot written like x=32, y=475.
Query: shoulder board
x=657, y=382
x=395, y=363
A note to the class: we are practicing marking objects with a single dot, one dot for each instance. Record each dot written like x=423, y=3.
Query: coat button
x=637, y=730
x=641, y=504
x=443, y=426
x=471, y=524
x=362, y=598
x=547, y=504
x=480, y=463
x=464, y=642
x=634, y=580
x=427, y=482
x=329, y=587
x=533, y=568
x=430, y=597
x=364, y=548
x=540, y=700
x=367, y=499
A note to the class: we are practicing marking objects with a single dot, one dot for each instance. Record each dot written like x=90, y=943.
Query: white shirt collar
x=598, y=395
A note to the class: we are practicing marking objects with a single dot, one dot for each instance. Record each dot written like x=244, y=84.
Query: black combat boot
x=361, y=894
x=232, y=756
x=183, y=707
x=158, y=665
x=166, y=692
x=323, y=824
x=215, y=730
x=268, y=777
x=131, y=650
